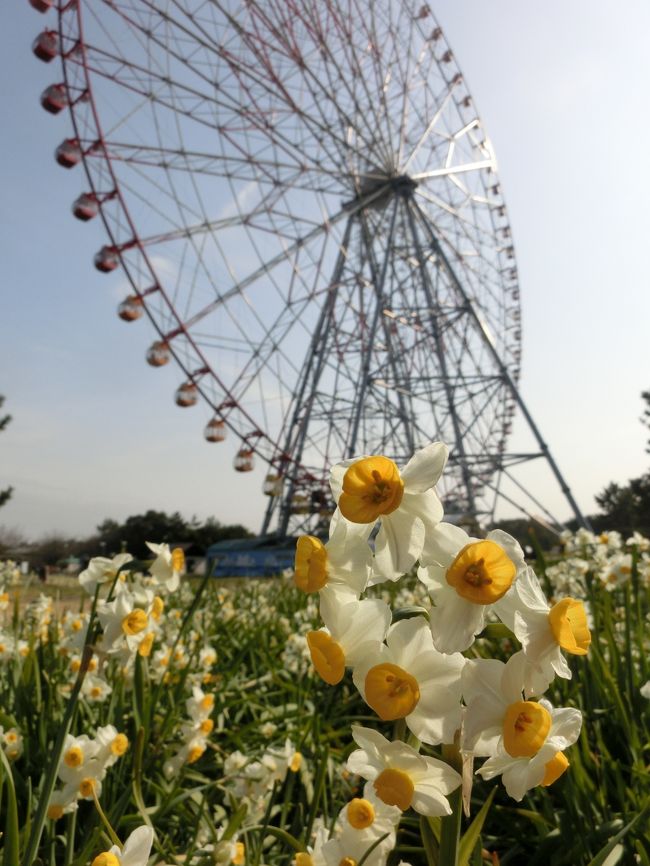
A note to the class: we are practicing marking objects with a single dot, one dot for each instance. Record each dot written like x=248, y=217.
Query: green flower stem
x=450, y=824
x=113, y=835
x=399, y=730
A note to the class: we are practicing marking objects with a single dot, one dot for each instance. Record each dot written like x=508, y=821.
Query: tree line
x=112, y=537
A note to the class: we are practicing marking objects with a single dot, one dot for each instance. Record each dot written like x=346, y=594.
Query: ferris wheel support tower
x=396, y=193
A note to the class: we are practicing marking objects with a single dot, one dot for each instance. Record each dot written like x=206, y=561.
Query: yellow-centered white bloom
x=168, y=565
x=102, y=570
x=352, y=629
x=200, y=705
x=7, y=646
x=464, y=576
x=340, y=566
x=497, y=718
x=371, y=489
x=401, y=776
x=408, y=679
x=135, y=852
x=489, y=687
x=352, y=846
x=61, y=804
x=12, y=742
x=278, y=761
x=112, y=744
x=189, y=753
x=369, y=814
x=95, y=689
x=123, y=623
x=544, y=631
x=77, y=753
x=527, y=768
x=225, y=852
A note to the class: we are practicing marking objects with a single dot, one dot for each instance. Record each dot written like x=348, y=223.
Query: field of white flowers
x=429, y=698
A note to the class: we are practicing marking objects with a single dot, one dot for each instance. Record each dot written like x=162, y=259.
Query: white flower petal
x=425, y=468
x=443, y=544
x=454, y=622
x=398, y=544
x=337, y=474
x=512, y=678
x=137, y=847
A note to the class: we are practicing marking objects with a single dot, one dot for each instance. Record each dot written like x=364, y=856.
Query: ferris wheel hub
x=377, y=190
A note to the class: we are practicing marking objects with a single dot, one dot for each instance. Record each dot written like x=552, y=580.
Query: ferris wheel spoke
x=268, y=266
x=471, y=231
x=246, y=77
x=428, y=131
x=226, y=165
x=197, y=105
x=279, y=40
x=446, y=171
x=377, y=100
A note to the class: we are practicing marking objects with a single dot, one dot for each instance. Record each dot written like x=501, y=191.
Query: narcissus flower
x=61, y=804
x=489, y=688
x=372, y=489
x=352, y=629
x=340, y=566
x=168, y=565
x=135, y=852
x=112, y=745
x=521, y=772
x=352, y=846
x=102, y=570
x=409, y=679
x=123, y=623
x=544, y=631
x=77, y=754
x=369, y=813
x=464, y=576
x=401, y=776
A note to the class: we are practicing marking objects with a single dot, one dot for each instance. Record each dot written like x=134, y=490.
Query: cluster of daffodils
x=10, y=647
x=40, y=614
x=83, y=766
x=195, y=731
x=607, y=557
x=421, y=672
x=9, y=575
x=131, y=605
x=250, y=780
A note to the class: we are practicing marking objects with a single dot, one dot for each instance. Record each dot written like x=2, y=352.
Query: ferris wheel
x=306, y=205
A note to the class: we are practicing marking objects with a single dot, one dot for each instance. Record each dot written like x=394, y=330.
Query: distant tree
x=51, y=549
x=645, y=418
x=157, y=526
x=626, y=508
x=132, y=535
x=203, y=535
x=5, y=494
x=10, y=539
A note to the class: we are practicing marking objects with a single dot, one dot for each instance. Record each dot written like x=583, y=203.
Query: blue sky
x=562, y=89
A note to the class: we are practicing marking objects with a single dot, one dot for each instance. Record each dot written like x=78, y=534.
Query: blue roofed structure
x=264, y=556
